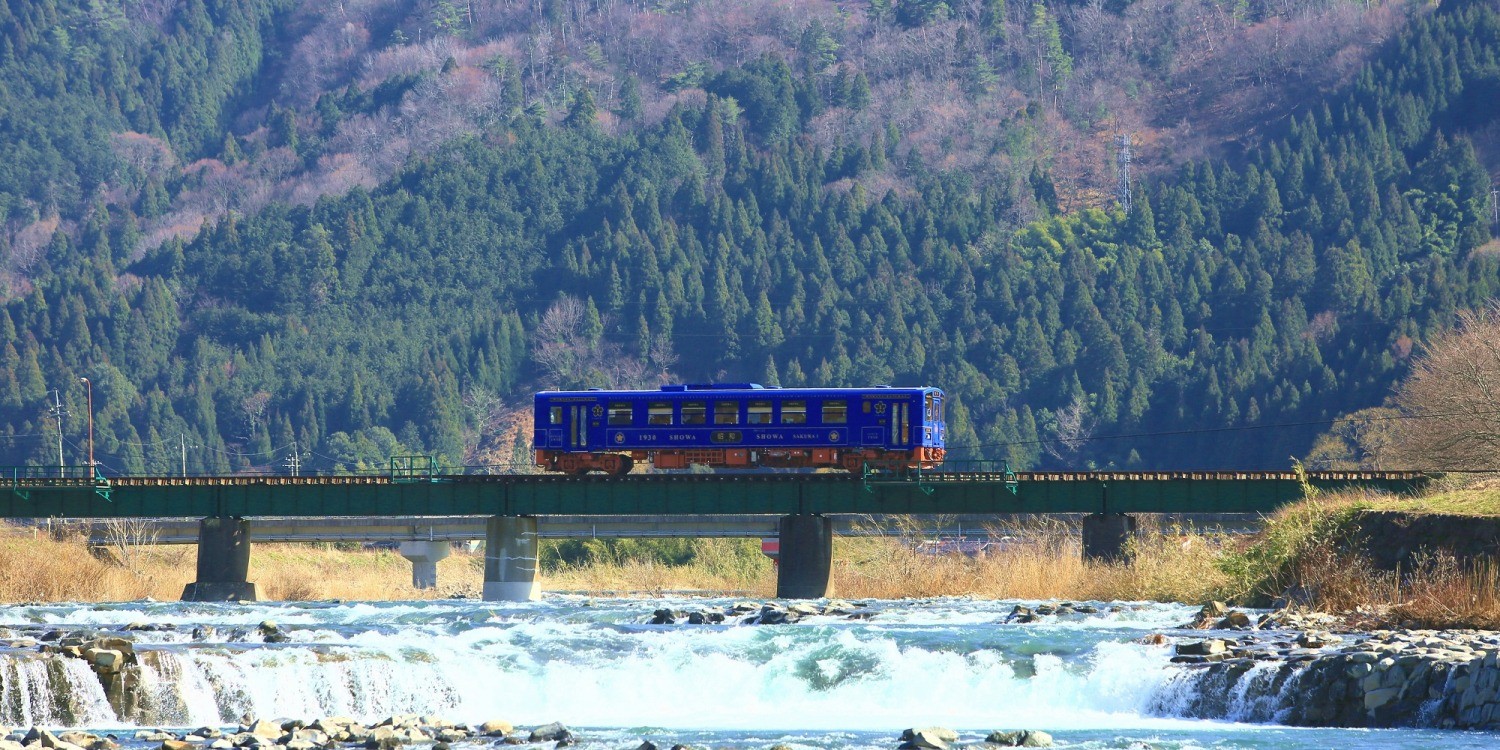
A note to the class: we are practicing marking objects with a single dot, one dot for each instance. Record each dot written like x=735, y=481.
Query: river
x=599, y=667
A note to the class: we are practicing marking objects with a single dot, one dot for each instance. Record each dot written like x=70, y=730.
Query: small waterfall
x=50, y=690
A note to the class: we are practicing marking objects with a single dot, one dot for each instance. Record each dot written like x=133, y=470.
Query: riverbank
x=1320, y=554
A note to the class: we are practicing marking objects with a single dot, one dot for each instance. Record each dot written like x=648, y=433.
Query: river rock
x=176, y=745
x=11, y=745
x=40, y=736
x=1204, y=647
x=772, y=616
x=1208, y=616
x=1020, y=738
x=495, y=728
x=270, y=632
x=646, y=745
x=388, y=742
x=934, y=738
x=263, y=728
x=1022, y=615
x=551, y=732
x=88, y=741
x=1236, y=620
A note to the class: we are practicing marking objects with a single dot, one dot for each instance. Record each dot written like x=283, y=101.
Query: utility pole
x=294, y=461
x=1495, y=206
x=57, y=412
x=90, y=385
x=1122, y=169
x=182, y=443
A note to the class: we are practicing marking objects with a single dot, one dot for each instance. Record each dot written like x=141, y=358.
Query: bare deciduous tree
x=128, y=538
x=1071, y=429
x=1450, y=404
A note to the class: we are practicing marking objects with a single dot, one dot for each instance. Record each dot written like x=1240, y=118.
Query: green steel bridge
x=30, y=493
x=512, y=504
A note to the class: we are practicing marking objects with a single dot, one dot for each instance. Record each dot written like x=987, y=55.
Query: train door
x=900, y=433
x=578, y=428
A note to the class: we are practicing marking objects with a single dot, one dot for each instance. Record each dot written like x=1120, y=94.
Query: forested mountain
x=252, y=245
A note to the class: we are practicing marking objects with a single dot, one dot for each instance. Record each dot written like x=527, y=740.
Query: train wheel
x=852, y=463
x=627, y=463
x=614, y=464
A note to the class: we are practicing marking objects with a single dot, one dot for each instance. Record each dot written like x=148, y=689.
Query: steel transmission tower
x=1122, y=169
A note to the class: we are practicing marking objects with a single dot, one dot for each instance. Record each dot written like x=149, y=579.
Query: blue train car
x=739, y=425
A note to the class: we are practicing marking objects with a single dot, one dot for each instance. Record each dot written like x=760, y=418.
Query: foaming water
x=825, y=682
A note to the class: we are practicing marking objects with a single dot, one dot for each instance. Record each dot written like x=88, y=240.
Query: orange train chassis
x=853, y=461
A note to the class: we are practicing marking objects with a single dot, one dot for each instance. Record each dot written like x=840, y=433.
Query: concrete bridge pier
x=424, y=557
x=1106, y=535
x=223, y=562
x=805, y=562
x=510, y=564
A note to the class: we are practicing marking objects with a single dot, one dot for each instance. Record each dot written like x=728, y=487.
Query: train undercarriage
x=852, y=461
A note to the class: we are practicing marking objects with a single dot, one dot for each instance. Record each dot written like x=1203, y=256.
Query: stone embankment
x=1312, y=677
x=1395, y=540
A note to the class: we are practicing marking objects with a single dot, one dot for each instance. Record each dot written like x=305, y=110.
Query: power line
x=1237, y=428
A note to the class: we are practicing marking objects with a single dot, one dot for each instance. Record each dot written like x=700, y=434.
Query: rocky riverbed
x=1315, y=677
x=709, y=673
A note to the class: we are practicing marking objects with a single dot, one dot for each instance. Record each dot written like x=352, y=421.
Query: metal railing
x=24, y=480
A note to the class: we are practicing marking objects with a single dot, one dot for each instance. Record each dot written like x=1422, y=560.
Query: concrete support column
x=805, y=560
x=223, y=562
x=424, y=557
x=1105, y=536
x=510, y=550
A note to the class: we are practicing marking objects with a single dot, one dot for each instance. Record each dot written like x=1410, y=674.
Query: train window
x=835, y=412
x=760, y=412
x=695, y=412
x=794, y=412
x=726, y=412
x=659, y=412
x=554, y=415
x=619, y=413
x=927, y=408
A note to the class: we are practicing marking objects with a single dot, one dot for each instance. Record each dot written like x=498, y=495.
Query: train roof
x=737, y=389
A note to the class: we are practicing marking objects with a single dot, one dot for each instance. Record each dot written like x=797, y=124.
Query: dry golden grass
x=1167, y=564
x=719, y=566
x=299, y=572
x=35, y=567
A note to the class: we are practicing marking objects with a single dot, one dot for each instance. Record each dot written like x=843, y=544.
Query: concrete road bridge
x=515, y=507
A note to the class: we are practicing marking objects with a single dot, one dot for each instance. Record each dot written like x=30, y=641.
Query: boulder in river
x=1020, y=738
x=552, y=732
x=932, y=738
x=495, y=728
x=1235, y=620
x=1204, y=647
x=270, y=632
x=1208, y=616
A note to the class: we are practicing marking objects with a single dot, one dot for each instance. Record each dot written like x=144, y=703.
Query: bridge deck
x=680, y=494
